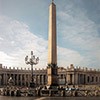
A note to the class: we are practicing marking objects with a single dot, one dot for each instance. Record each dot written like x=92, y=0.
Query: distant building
x=66, y=76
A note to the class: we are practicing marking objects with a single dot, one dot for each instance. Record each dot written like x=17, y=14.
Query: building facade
x=66, y=76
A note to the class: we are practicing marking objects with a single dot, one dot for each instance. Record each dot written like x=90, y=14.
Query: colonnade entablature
x=20, y=69
x=83, y=69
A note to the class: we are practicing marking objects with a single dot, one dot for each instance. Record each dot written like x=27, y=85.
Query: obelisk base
x=52, y=76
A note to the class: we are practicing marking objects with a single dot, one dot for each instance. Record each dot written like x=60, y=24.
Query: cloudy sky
x=24, y=27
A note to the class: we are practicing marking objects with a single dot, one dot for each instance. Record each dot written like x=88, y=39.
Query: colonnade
x=22, y=79
x=82, y=79
x=70, y=76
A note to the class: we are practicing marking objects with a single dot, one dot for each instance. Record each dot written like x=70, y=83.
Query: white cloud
x=80, y=31
x=5, y=59
x=18, y=41
x=67, y=57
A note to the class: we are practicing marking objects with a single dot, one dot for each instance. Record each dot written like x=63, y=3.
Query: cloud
x=17, y=41
x=68, y=56
x=6, y=59
x=80, y=33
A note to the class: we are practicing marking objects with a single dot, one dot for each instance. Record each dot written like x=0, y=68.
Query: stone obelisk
x=52, y=47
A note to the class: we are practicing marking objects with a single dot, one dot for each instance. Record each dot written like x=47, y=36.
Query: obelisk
x=52, y=47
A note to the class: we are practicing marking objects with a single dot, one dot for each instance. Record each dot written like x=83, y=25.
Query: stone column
x=76, y=79
x=45, y=79
x=0, y=79
x=98, y=79
x=86, y=79
x=21, y=79
x=39, y=79
x=83, y=78
x=17, y=79
x=65, y=78
x=68, y=78
x=4, y=79
x=14, y=78
x=73, y=79
x=8, y=76
x=42, y=80
x=25, y=79
x=29, y=79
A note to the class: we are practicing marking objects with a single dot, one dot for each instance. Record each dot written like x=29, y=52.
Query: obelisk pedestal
x=52, y=48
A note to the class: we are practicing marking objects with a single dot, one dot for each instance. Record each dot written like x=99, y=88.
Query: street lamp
x=32, y=61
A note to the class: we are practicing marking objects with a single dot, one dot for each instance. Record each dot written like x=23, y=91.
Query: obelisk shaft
x=52, y=51
x=52, y=48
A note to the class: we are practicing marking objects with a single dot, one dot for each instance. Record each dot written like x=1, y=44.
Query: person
x=86, y=93
x=10, y=81
x=96, y=92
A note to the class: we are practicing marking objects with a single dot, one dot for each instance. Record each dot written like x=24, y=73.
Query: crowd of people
x=47, y=91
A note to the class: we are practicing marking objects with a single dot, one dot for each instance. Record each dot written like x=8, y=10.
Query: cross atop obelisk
x=52, y=0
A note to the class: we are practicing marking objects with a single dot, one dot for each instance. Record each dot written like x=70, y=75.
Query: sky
x=24, y=28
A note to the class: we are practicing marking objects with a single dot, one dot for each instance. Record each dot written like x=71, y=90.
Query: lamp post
x=32, y=61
